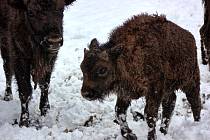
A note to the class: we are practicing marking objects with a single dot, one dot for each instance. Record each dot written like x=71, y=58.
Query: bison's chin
x=96, y=95
x=51, y=47
x=54, y=48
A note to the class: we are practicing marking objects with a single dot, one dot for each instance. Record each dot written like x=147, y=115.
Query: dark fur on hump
x=149, y=51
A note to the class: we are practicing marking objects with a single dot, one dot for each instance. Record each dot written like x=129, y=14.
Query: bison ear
x=94, y=44
x=85, y=52
x=19, y=4
x=115, y=52
x=68, y=2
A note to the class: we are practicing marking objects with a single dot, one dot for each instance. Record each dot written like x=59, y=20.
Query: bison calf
x=146, y=56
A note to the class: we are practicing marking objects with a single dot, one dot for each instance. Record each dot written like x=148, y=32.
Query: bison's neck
x=131, y=89
x=43, y=63
x=129, y=85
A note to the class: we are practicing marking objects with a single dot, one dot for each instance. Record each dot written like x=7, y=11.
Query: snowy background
x=83, y=21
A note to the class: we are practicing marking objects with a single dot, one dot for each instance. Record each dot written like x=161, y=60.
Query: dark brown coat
x=205, y=34
x=146, y=56
x=31, y=33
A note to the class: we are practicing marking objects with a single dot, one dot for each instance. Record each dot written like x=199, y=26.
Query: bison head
x=44, y=19
x=99, y=71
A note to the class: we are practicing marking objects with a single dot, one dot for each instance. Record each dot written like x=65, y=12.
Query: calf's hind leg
x=7, y=69
x=193, y=97
x=121, y=110
x=153, y=100
x=168, y=105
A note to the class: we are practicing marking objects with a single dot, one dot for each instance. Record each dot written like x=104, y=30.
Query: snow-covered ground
x=83, y=21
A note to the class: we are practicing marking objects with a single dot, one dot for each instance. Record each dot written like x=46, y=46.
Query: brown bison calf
x=31, y=33
x=146, y=56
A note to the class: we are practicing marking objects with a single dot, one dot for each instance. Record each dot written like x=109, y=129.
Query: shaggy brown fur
x=31, y=33
x=146, y=56
x=205, y=34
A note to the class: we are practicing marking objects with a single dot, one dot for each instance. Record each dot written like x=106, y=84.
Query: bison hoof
x=130, y=136
x=138, y=116
x=8, y=95
x=204, y=62
x=24, y=120
x=152, y=137
x=197, y=118
x=24, y=123
x=116, y=121
x=44, y=110
x=163, y=130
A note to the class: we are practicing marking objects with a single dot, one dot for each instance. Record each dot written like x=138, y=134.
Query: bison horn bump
x=94, y=44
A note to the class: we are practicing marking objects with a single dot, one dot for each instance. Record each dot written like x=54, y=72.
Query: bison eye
x=101, y=72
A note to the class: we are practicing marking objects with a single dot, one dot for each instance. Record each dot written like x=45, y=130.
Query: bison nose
x=88, y=95
x=54, y=40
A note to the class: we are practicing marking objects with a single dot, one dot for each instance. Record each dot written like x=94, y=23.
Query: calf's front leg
x=168, y=105
x=121, y=111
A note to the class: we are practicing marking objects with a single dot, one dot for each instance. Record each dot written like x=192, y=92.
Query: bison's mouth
x=52, y=44
x=95, y=95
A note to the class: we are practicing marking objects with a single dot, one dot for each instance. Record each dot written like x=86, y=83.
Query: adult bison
x=146, y=56
x=31, y=33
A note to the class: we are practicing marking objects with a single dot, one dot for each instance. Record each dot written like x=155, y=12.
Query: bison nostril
x=52, y=42
x=84, y=94
x=87, y=95
x=55, y=40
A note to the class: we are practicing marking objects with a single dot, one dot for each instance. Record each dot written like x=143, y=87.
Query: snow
x=69, y=111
